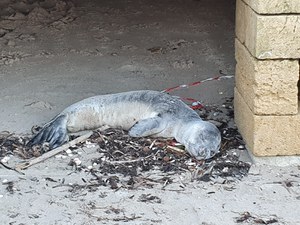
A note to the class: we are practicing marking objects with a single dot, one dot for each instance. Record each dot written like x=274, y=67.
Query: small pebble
x=63, y=156
x=235, y=154
x=225, y=170
x=95, y=164
x=77, y=161
x=196, y=103
x=70, y=155
x=1, y=196
x=90, y=144
x=68, y=151
x=90, y=167
x=5, y=181
x=5, y=159
x=241, y=147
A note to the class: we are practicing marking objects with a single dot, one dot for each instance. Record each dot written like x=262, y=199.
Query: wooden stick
x=53, y=152
x=173, y=148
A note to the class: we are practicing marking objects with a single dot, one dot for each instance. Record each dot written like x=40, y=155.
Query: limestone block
x=267, y=135
x=274, y=6
x=269, y=87
x=268, y=37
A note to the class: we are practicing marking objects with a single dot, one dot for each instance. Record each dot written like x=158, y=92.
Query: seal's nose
x=209, y=153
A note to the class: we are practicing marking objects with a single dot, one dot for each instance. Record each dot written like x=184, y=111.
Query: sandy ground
x=268, y=194
x=54, y=53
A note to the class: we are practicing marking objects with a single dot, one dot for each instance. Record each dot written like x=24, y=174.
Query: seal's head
x=201, y=139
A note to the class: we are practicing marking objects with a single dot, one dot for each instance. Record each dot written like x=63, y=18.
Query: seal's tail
x=54, y=132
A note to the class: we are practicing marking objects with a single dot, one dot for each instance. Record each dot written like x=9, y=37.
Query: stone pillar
x=267, y=50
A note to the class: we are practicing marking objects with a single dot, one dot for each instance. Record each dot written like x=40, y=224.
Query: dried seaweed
x=11, y=144
x=149, y=198
x=120, y=154
x=246, y=217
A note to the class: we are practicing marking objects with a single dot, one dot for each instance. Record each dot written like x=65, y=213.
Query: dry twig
x=175, y=149
x=53, y=152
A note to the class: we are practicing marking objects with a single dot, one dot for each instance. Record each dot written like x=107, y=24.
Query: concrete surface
x=103, y=48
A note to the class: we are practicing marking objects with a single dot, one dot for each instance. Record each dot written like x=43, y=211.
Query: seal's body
x=142, y=113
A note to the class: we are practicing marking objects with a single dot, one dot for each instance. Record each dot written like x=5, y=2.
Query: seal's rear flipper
x=147, y=127
x=54, y=132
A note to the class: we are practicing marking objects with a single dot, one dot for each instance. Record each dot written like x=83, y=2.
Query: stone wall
x=267, y=75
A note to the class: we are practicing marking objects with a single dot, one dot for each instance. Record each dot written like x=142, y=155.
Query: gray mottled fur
x=143, y=113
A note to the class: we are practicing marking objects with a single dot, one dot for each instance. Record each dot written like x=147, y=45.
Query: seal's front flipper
x=147, y=127
x=54, y=132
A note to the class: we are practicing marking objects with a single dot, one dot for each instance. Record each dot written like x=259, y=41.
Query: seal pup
x=142, y=113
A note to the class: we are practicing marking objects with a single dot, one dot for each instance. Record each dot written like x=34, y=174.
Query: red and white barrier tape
x=195, y=104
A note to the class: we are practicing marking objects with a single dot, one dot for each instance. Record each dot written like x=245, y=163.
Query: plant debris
x=121, y=154
x=149, y=198
x=13, y=144
x=246, y=217
x=10, y=187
